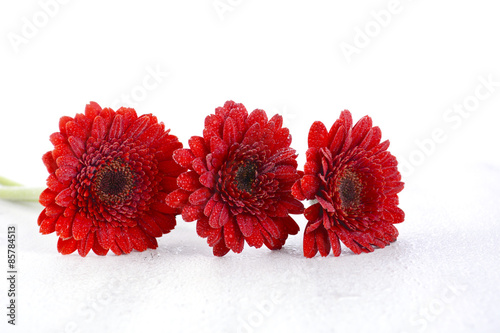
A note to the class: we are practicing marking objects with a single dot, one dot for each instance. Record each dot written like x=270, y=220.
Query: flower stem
x=7, y=182
x=20, y=193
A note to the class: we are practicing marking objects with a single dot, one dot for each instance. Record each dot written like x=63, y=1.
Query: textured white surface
x=282, y=56
x=441, y=275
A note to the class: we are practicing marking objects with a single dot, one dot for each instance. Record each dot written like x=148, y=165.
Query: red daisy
x=354, y=181
x=109, y=175
x=239, y=180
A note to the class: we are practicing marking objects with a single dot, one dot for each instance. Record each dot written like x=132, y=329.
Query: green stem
x=19, y=193
x=7, y=182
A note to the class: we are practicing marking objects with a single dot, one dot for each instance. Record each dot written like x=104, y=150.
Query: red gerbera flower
x=355, y=181
x=239, y=181
x=109, y=175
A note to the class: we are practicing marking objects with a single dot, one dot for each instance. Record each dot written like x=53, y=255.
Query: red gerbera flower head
x=109, y=175
x=355, y=181
x=239, y=180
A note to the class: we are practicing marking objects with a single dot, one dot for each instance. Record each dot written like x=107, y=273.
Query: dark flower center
x=114, y=182
x=349, y=188
x=245, y=176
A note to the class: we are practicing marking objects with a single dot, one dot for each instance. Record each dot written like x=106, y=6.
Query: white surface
x=441, y=275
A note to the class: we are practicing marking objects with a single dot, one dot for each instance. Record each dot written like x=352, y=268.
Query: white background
x=411, y=71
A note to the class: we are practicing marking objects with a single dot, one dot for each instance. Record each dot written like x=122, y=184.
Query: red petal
x=229, y=132
x=86, y=244
x=364, y=240
x=63, y=226
x=338, y=140
x=105, y=235
x=327, y=205
x=65, y=197
x=53, y=209
x=335, y=243
x=215, y=236
x=372, y=139
x=291, y=227
x=122, y=239
x=66, y=246
x=360, y=130
x=219, y=216
x=166, y=222
x=311, y=213
x=395, y=188
x=169, y=184
x=256, y=240
x=207, y=179
x=271, y=227
x=269, y=241
x=286, y=172
x=41, y=217
x=148, y=224
x=138, y=127
x=53, y=184
x=97, y=248
x=310, y=186
x=77, y=145
x=129, y=115
x=327, y=223
x=68, y=161
x=284, y=155
x=192, y=213
x=47, y=197
x=245, y=224
x=65, y=174
x=233, y=237
x=81, y=226
x=138, y=239
x=199, y=166
x=92, y=110
x=75, y=130
x=57, y=139
x=213, y=124
x=220, y=249
x=117, y=127
x=292, y=205
x=170, y=168
x=311, y=167
x=98, y=128
x=322, y=242
x=49, y=162
x=318, y=135
x=183, y=157
x=198, y=146
x=309, y=245
x=48, y=225
x=166, y=144
x=346, y=238
x=62, y=150
x=163, y=208
x=116, y=249
x=252, y=134
x=150, y=134
x=257, y=116
x=346, y=118
x=203, y=229
x=297, y=191
x=62, y=124
x=277, y=120
x=200, y=196
x=209, y=206
x=177, y=198
x=282, y=138
x=188, y=181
